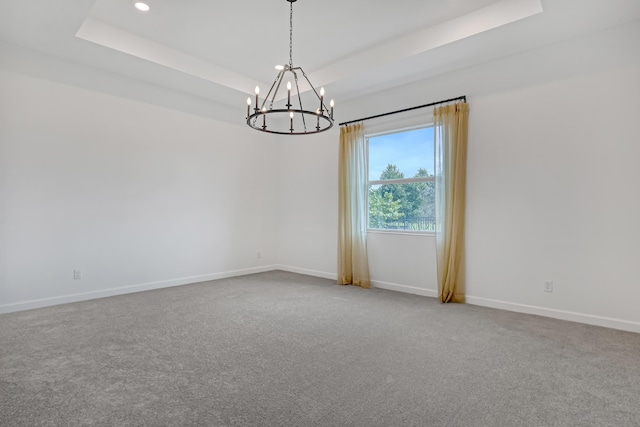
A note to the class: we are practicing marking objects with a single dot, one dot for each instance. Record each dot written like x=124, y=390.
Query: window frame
x=389, y=131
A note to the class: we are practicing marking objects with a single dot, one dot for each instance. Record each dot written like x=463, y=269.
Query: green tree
x=398, y=192
x=382, y=208
x=426, y=194
x=410, y=195
x=391, y=172
x=401, y=202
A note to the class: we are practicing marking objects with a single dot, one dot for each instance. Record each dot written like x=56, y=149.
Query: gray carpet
x=282, y=349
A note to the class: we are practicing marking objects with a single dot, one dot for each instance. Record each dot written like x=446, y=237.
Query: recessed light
x=142, y=7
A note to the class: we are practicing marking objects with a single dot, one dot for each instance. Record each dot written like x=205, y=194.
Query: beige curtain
x=353, y=267
x=451, y=129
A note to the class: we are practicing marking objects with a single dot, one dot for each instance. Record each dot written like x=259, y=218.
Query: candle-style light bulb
x=257, y=93
x=331, y=104
x=248, y=106
x=264, y=117
x=321, y=98
x=288, y=94
x=291, y=117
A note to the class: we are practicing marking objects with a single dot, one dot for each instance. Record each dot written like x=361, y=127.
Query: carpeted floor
x=282, y=349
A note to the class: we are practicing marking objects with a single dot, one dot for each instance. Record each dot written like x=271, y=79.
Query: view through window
x=401, y=181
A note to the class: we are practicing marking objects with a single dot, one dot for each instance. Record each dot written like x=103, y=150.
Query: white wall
x=552, y=184
x=136, y=195
x=139, y=195
x=553, y=195
x=308, y=203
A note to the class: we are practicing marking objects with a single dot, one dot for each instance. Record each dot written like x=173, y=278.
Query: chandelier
x=291, y=118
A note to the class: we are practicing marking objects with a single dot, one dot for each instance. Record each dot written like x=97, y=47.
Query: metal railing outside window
x=419, y=223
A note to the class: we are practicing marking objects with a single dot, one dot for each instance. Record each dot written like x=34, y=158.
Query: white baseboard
x=404, y=288
x=374, y=283
x=64, y=299
x=315, y=273
x=588, y=319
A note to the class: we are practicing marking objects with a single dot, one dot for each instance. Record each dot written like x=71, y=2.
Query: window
x=401, y=180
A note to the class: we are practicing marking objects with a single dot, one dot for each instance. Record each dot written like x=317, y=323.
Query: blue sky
x=409, y=151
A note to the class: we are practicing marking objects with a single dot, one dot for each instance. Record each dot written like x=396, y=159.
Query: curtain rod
x=431, y=104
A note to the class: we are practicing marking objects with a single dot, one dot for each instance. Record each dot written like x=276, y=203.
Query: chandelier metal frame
x=323, y=116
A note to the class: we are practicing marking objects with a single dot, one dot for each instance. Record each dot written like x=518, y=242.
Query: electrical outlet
x=77, y=274
x=548, y=286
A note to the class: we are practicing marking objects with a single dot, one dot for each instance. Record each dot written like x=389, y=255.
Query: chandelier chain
x=291, y=34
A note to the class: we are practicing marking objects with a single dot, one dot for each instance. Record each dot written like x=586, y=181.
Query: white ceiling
x=219, y=50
